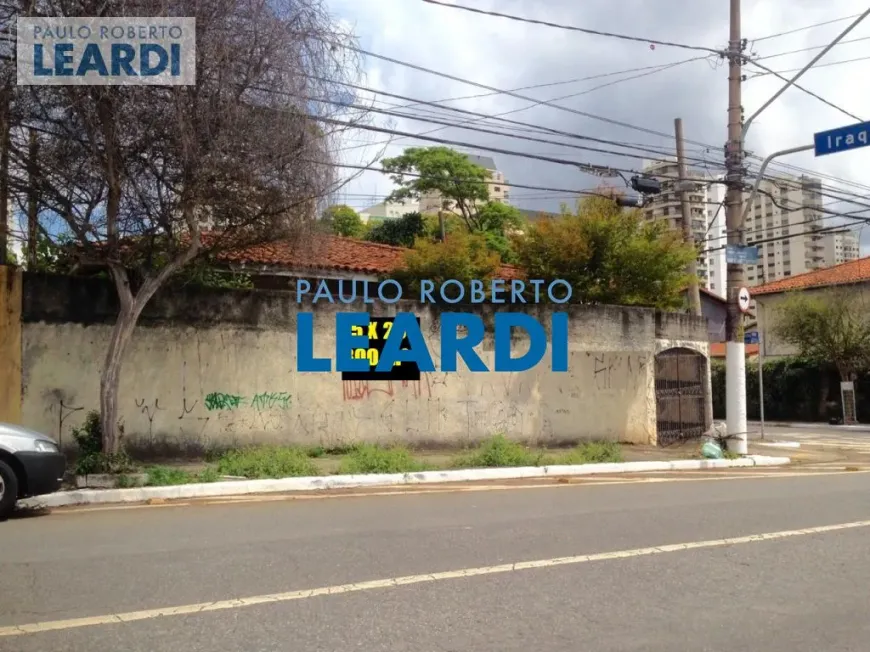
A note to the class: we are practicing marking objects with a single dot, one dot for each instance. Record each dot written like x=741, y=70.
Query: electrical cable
x=783, y=72
x=803, y=29
x=801, y=88
x=810, y=49
x=572, y=28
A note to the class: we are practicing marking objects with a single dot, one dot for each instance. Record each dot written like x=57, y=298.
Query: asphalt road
x=797, y=590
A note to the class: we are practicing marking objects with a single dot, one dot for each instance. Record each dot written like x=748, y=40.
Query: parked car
x=31, y=464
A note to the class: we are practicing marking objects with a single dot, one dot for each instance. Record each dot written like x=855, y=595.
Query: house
x=276, y=266
x=713, y=309
x=853, y=276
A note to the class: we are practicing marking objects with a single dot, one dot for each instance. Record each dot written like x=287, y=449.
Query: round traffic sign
x=743, y=299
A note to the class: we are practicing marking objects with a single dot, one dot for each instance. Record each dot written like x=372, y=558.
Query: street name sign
x=842, y=139
x=741, y=255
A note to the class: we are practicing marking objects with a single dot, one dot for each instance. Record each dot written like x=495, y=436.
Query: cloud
x=508, y=54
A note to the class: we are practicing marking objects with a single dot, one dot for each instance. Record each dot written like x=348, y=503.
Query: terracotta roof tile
x=334, y=253
x=855, y=271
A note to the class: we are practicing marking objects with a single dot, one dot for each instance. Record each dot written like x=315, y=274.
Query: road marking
x=575, y=482
x=238, y=603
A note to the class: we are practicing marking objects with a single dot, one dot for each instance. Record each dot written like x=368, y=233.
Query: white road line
x=238, y=603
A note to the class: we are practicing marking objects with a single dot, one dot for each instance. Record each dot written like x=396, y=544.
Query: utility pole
x=685, y=209
x=32, y=201
x=735, y=349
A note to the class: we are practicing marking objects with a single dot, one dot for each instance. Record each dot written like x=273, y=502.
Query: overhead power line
x=810, y=49
x=805, y=90
x=549, y=103
x=824, y=65
x=803, y=29
x=573, y=28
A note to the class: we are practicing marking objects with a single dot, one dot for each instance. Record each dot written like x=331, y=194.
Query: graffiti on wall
x=260, y=402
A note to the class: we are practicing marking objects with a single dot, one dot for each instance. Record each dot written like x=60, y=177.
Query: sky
x=507, y=54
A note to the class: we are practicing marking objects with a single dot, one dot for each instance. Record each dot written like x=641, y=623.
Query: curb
x=861, y=427
x=779, y=444
x=238, y=488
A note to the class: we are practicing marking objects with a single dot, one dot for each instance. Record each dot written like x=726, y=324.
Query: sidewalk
x=820, y=426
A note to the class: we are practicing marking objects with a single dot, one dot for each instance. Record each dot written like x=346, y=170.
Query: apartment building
x=390, y=210
x=708, y=223
x=498, y=191
x=786, y=231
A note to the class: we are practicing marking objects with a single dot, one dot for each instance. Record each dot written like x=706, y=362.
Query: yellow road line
x=575, y=482
x=238, y=603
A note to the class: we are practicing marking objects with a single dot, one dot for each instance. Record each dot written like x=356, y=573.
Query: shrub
x=369, y=458
x=91, y=459
x=267, y=462
x=498, y=451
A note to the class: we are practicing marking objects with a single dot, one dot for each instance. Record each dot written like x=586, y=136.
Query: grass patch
x=369, y=458
x=498, y=451
x=165, y=476
x=591, y=452
x=267, y=462
x=323, y=451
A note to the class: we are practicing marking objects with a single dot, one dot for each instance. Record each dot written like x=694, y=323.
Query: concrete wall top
x=88, y=301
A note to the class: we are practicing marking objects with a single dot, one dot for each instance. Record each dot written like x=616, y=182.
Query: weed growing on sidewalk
x=498, y=451
x=164, y=476
x=369, y=458
x=592, y=452
x=267, y=462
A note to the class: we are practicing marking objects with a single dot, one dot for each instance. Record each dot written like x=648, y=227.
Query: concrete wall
x=217, y=368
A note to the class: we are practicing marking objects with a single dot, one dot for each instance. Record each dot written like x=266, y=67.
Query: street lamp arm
x=760, y=175
x=800, y=74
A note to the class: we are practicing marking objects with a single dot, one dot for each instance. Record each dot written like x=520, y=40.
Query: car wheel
x=8, y=490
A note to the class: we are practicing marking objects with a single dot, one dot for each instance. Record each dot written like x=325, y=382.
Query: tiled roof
x=855, y=271
x=333, y=253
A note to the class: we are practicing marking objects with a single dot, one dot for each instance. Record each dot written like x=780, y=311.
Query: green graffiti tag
x=260, y=402
x=271, y=400
x=221, y=401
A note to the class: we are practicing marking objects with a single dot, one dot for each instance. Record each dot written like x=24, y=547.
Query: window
x=712, y=286
x=496, y=188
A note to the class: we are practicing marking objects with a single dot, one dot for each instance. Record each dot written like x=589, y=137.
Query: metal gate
x=680, y=410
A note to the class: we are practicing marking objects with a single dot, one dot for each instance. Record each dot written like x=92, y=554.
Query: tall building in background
x=707, y=225
x=498, y=192
x=787, y=231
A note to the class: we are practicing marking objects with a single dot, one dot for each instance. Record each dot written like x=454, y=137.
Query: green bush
x=369, y=458
x=498, y=451
x=267, y=462
x=91, y=459
x=592, y=452
x=794, y=390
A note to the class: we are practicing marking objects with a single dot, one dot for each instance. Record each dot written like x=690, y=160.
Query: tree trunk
x=110, y=380
x=131, y=308
x=4, y=175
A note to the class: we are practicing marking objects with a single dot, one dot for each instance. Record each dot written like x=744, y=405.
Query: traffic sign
x=743, y=299
x=741, y=255
x=750, y=338
x=842, y=139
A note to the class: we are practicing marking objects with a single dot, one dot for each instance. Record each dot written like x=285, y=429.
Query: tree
x=463, y=257
x=401, y=232
x=498, y=222
x=344, y=221
x=423, y=170
x=833, y=328
x=148, y=179
x=608, y=255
